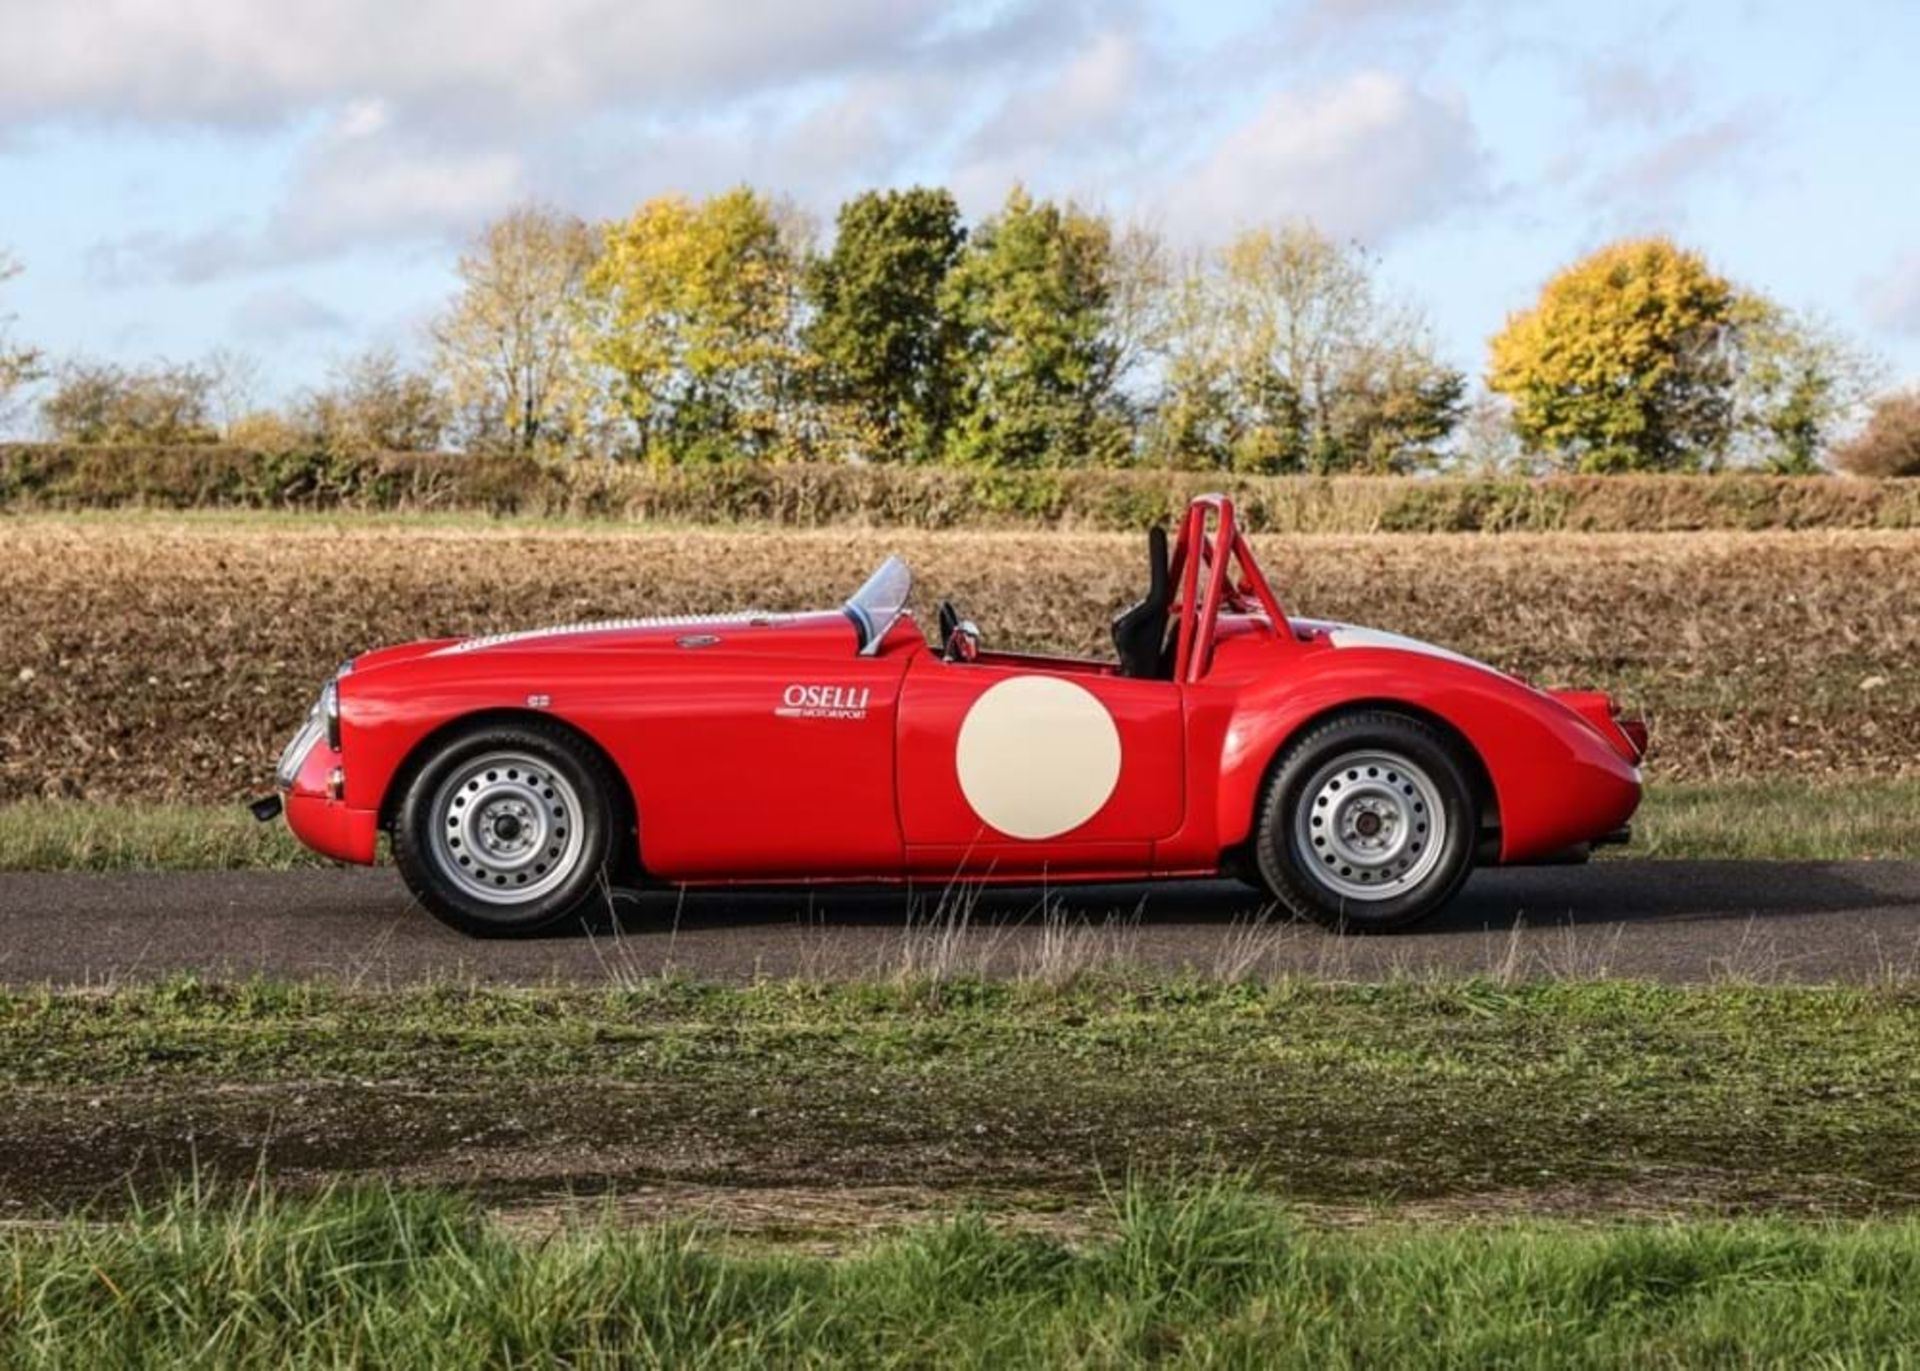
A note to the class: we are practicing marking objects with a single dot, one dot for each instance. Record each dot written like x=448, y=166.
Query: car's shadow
x=1629, y=892
x=1602, y=893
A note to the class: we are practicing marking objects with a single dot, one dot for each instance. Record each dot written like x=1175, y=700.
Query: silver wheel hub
x=506, y=828
x=1370, y=825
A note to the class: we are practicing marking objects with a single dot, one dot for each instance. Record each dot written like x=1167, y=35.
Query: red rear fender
x=1628, y=736
x=1557, y=780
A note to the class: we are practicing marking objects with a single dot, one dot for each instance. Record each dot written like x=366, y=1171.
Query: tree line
x=1044, y=335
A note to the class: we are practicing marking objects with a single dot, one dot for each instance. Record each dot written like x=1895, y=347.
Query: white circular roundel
x=1037, y=756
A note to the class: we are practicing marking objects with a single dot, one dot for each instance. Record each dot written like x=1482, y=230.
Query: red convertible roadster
x=1358, y=775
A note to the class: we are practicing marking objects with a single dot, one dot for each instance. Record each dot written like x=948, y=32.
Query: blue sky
x=295, y=179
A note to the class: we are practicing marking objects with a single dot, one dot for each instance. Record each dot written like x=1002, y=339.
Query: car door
x=1026, y=766
x=751, y=767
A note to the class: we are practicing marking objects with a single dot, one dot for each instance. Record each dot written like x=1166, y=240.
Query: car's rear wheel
x=506, y=829
x=1368, y=822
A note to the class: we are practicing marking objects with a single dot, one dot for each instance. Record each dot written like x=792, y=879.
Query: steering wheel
x=959, y=638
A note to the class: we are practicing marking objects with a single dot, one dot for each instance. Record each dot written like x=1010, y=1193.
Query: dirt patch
x=826, y=1220
x=823, y=1168
x=166, y=660
x=1467, y=1095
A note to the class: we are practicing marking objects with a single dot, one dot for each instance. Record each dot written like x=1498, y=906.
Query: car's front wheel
x=1368, y=822
x=506, y=829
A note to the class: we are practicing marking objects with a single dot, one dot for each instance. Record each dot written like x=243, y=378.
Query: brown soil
x=167, y=660
x=809, y=1162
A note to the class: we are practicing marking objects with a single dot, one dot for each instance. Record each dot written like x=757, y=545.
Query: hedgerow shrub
x=47, y=476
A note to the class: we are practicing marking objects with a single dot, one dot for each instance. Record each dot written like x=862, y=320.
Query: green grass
x=1748, y=1097
x=1203, y=1274
x=67, y=835
x=1782, y=820
x=1763, y=820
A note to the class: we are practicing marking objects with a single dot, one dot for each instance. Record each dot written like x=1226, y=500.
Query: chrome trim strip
x=298, y=749
x=607, y=626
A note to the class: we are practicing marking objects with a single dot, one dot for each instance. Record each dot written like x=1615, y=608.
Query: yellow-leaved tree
x=690, y=311
x=1627, y=362
x=506, y=343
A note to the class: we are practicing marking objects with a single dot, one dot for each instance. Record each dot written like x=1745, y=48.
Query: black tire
x=553, y=789
x=1312, y=842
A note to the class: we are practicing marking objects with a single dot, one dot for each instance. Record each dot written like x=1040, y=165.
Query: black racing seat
x=1140, y=632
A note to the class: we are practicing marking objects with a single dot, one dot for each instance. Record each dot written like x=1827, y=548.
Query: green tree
x=1627, y=362
x=506, y=344
x=690, y=309
x=1282, y=356
x=1799, y=383
x=1034, y=360
x=877, y=330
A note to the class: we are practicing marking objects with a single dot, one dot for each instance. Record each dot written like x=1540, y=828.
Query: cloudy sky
x=293, y=177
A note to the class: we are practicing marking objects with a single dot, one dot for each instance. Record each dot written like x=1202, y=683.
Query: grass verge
x=1781, y=820
x=71, y=835
x=1467, y=1094
x=1201, y=1274
x=1786, y=820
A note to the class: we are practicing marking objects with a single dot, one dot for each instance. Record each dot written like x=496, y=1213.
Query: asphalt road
x=1676, y=921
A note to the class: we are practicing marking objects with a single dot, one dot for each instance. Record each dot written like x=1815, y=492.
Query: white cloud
x=1648, y=189
x=848, y=137
x=1710, y=149
x=362, y=179
x=1083, y=128
x=414, y=123
x=1092, y=96
x=354, y=183
x=271, y=315
x=1334, y=15
x=1892, y=299
x=1626, y=91
x=1365, y=158
x=245, y=62
x=1370, y=25
x=183, y=259
x=859, y=135
x=433, y=116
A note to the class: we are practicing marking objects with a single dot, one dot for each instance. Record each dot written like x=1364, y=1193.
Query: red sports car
x=1358, y=775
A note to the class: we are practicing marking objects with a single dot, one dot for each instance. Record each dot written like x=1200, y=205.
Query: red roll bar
x=1250, y=594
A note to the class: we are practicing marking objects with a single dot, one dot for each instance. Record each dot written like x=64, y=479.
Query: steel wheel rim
x=1370, y=825
x=506, y=828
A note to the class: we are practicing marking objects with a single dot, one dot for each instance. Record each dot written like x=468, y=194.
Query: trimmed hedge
x=37, y=476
